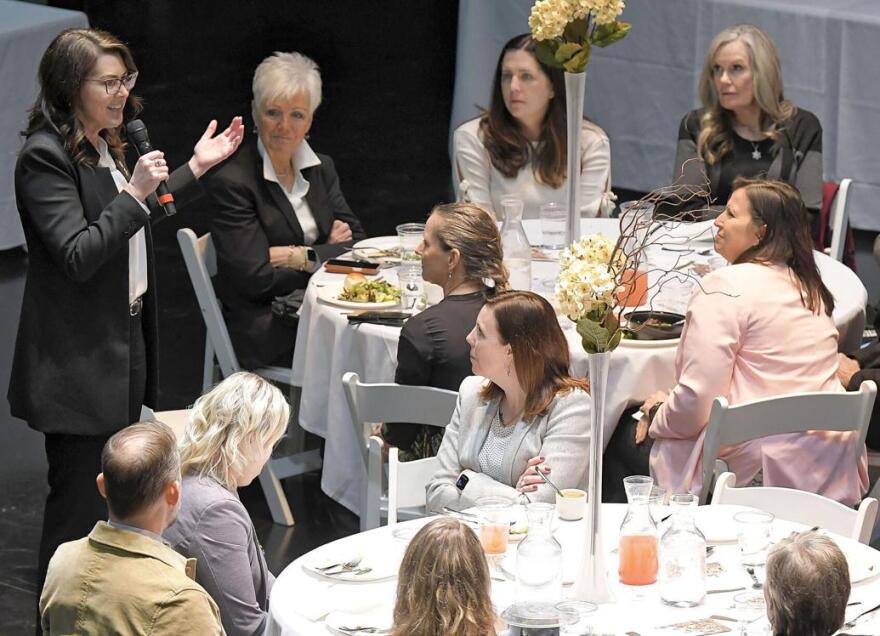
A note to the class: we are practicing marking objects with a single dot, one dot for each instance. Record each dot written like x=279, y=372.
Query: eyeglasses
x=115, y=84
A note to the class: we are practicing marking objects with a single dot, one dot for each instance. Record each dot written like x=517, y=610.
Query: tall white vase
x=591, y=583
x=575, y=84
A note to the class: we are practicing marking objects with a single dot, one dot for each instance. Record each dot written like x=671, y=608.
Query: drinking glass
x=583, y=611
x=410, y=235
x=554, y=217
x=753, y=536
x=495, y=515
x=409, y=272
x=751, y=613
x=658, y=504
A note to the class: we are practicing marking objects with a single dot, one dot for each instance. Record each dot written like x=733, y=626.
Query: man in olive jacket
x=122, y=579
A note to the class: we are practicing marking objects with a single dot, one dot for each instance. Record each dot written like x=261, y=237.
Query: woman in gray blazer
x=523, y=415
x=227, y=441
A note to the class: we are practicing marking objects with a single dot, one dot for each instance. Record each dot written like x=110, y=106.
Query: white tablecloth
x=639, y=89
x=327, y=347
x=298, y=593
x=25, y=31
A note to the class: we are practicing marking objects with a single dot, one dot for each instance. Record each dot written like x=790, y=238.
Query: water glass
x=410, y=235
x=582, y=613
x=753, y=536
x=751, y=613
x=658, y=504
x=495, y=517
x=554, y=218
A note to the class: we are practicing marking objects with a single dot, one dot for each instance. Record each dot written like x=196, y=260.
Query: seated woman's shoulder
x=471, y=386
x=469, y=129
x=739, y=278
x=591, y=131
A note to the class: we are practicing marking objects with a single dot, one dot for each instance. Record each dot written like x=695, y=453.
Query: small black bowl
x=669, y=328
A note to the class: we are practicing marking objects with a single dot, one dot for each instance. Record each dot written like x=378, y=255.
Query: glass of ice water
x=554, y=217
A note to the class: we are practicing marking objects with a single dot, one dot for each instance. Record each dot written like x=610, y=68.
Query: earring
x=508, y=370
x=449, y=276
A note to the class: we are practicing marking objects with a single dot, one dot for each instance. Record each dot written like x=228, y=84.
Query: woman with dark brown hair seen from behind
x=461, y=252
x=758, y=328
x=443, y=587
x=526, y=413
x=518, y=146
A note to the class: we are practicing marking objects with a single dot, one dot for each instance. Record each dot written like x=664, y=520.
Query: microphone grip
x=166, y=199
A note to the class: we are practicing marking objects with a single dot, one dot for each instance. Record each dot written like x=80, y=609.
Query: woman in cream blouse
x=518, y=146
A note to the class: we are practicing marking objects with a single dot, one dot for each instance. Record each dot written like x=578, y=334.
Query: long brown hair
x=529, y=325
x=779, y=208
x=65, y=65
x=473, y=232
x=716, y=126
x=443, y=586
x=509, y=150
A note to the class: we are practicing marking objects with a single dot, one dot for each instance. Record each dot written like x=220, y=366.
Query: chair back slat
x=846, y=411
x=200, y=258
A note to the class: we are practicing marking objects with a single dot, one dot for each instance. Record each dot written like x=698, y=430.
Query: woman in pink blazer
x=758, y=328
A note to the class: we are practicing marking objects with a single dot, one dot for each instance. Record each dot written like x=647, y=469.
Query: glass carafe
x=517, y=249
x=682, y=577
x=539, y=559
x=638, y=535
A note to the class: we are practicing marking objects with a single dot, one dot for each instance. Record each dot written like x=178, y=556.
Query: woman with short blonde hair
x=443, y=586
x=746, y=127
x=228, y=440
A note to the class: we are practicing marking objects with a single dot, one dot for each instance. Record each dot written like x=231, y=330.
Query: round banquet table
x=303, y=602
x=327, y=346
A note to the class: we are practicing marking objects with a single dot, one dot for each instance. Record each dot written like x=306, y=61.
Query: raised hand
x=211, y=150
x=530, y=479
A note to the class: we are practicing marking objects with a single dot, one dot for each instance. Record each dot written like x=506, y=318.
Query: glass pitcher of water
x=682, y=577
x=517, y=249
x=539, y=559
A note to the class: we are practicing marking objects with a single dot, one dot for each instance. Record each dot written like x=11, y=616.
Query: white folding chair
x=849, y=411
x=201, y=264
x=837, y=221
x=389, y=402
x=801, y=506
x=406, y=480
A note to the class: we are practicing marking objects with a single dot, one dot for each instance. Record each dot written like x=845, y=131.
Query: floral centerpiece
x=587, y=290
x=566, y=30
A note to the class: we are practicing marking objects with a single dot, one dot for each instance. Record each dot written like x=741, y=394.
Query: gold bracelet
x=305, y=255
x=291, y=262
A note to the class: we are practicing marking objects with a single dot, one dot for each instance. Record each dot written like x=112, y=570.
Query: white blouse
x=304, y=157
x=476, y=180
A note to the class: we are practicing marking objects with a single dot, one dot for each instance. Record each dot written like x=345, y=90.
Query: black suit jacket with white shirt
x=70, y=373
x=250, y=215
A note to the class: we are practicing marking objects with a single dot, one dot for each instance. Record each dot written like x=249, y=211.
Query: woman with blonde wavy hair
x=443, y=586
x=229, y=437
x=461, y=252
x=746, y=127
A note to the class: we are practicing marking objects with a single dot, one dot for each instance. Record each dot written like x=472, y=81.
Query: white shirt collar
x=303, y=158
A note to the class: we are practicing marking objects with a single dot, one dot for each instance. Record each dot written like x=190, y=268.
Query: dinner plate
x=375, y=558
x=369, y=249
x=330, y=295
x=628, y=343
x=379, y=618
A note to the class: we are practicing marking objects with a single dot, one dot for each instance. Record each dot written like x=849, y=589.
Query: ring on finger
x=158, y=163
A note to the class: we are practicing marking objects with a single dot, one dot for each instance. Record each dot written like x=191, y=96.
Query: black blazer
x=70, y=373
x=250, y=216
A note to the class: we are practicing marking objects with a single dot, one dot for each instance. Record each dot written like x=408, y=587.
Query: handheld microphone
x=137, y=133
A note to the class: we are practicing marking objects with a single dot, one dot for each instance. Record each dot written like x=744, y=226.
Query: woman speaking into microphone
x=86, y=356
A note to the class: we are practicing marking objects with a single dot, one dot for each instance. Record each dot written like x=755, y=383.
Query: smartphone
x=342, y=266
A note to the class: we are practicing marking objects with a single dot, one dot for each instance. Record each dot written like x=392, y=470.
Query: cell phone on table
x=343, y=266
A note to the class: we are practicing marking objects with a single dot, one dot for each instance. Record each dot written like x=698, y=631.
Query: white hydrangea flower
x=586, y=280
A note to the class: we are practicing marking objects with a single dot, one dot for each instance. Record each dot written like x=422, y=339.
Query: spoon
x=547, y=480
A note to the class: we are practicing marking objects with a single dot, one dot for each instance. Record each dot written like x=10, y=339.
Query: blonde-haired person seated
x=524, y=412
x=443, y=586
x=746, y=127
x=461, y=252
x=229, y=438
x=807, y=586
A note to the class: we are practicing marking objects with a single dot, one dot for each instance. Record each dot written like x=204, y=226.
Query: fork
x=345, y=565
x=354, y=571
x=363, y=630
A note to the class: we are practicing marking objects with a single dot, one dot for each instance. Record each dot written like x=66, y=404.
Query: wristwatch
x=462, y=481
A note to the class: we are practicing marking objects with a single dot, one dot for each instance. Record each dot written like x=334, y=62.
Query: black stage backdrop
x=387, y=69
